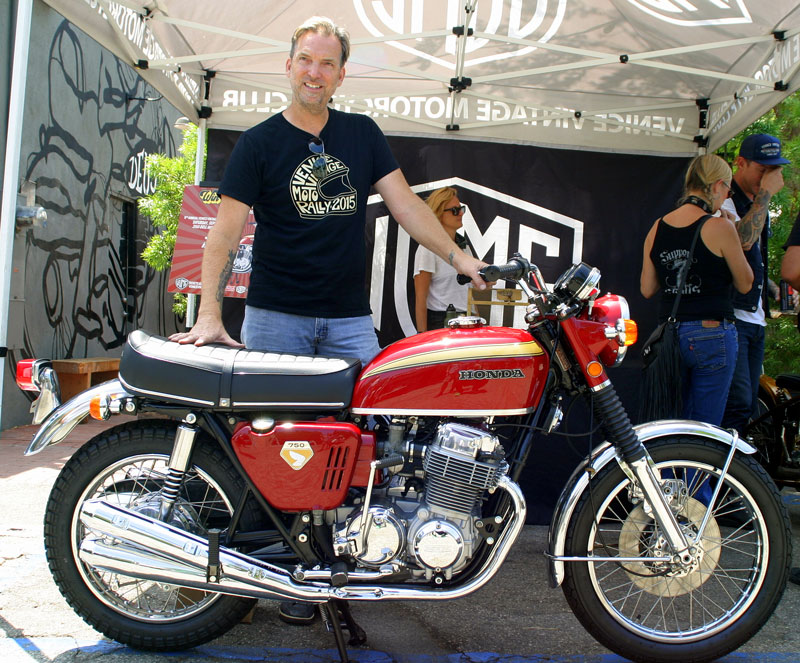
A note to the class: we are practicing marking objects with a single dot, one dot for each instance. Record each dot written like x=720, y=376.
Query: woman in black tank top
x=705, y=315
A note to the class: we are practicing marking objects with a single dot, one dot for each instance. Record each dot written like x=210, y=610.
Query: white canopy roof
x=654, y=76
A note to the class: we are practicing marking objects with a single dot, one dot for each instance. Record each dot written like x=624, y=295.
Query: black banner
x=554, y=206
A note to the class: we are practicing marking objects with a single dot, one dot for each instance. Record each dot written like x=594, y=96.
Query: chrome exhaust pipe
x=135, y=545
x=149, y=549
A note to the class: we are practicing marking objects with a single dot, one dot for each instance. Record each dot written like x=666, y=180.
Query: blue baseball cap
x=763, y=149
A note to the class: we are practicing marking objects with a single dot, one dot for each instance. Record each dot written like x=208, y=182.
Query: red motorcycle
x=312, y=479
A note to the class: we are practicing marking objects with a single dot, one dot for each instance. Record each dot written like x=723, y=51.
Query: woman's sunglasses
x=730, y=188
x=455, y=211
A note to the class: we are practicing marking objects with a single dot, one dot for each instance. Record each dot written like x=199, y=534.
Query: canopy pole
x=19, y=74
x=191, y=300
x=199, y=173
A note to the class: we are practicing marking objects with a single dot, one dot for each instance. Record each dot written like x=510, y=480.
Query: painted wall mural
x=90, y=122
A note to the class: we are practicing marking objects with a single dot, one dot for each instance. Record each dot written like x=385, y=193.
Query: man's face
x=749, y=173
x=315, y=70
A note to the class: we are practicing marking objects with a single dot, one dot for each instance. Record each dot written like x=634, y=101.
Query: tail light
x=28, y=372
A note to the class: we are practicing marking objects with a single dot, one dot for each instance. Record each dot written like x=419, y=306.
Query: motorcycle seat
x=788, y=381
x=221, y=377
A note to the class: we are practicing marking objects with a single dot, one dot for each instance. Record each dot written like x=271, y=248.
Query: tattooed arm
x=221, y=246
x=752, y=223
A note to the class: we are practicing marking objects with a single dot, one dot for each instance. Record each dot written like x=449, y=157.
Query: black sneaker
x=298, y=613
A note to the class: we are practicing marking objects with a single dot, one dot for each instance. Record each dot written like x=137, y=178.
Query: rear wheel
x=657, y=611
x=127, y=465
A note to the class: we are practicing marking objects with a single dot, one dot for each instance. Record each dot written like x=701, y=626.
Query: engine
x=425, y=518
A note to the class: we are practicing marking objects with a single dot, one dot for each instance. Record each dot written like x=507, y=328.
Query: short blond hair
x=438, y=199
x=324, y=26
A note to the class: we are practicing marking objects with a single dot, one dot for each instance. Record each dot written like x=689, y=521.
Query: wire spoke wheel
x=128, y=466
x=658, y=608
x=136, y=483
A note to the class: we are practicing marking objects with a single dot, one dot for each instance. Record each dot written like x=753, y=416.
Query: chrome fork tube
x=178, y=465
x=641, y=470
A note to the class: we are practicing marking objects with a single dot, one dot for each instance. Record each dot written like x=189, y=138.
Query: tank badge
x=502, y=374
x=296, y=453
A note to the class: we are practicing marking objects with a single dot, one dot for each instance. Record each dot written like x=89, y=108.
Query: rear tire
x=647, y=611
x=126, y=465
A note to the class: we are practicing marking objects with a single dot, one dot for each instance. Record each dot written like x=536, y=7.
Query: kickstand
x=330, y=616
x=332, y=613
x=357, y=634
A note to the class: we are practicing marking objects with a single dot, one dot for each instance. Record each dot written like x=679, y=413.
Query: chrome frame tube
x=134, y=545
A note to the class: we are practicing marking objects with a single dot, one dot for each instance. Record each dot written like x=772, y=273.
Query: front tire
x=654, y=611
x=127, y=465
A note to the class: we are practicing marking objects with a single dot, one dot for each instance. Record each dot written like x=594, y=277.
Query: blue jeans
x=273, y=331
x=743, y=394
x=709, y=357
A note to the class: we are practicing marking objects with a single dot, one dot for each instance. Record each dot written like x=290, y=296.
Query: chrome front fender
x=63, y=419
x=602, y=456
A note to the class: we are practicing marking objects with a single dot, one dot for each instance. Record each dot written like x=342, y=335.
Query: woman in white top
x=435, y=284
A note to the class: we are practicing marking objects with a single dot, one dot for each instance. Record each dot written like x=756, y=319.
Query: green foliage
x=782, y=351
x=163, y=207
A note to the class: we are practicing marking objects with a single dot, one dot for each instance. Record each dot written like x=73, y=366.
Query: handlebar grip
x=513, y=271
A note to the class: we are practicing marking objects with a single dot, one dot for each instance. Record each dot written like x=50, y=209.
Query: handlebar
x=513, y=271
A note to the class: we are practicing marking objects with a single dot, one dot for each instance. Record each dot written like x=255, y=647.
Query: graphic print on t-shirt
x=674, y=262
x=331, y=194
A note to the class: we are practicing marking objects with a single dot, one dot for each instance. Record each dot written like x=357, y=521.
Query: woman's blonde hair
x=438, y=199
x=703, y=172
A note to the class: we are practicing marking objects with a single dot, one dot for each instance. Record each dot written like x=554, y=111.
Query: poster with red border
x=198, y=215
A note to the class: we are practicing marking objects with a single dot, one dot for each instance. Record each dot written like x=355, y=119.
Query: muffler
x=135, y=545
x=131, y=544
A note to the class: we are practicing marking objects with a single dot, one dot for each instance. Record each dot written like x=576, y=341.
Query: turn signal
x=631, y=331
x=98, y=408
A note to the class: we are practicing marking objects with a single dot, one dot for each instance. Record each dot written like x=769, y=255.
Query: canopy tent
x=651, y=76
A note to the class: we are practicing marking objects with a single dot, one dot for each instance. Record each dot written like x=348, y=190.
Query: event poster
x=198, y=215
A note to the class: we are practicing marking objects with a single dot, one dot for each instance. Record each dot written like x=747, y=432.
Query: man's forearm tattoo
x=225, y=276
x=752, y=223
x=451, y=256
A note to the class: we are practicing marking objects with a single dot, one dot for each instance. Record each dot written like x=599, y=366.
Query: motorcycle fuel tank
x=480, y=371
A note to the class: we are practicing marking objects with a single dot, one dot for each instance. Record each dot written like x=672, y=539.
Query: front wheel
x=127, y=465
x=658, y=611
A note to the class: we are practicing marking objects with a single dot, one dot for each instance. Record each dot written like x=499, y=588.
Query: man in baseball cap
x=763, y=149
x=757, y=178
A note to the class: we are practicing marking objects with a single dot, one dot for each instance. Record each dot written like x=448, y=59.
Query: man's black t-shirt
x=309, y=253
x=794, y=235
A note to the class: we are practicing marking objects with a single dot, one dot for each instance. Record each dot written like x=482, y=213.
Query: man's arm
x=752, y=223
x=220, y=250
x=418, y=220
x=790, y=266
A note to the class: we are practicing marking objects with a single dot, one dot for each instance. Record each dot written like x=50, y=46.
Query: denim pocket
x=707, y=348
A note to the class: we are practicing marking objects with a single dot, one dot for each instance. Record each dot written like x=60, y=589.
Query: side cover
x=457, y=372
x=306, y=465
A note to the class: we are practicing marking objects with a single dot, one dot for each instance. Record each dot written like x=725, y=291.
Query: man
x=757, y=178
x=790, y=265
x=307, y=173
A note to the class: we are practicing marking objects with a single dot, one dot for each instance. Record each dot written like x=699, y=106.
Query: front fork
x=639, y=467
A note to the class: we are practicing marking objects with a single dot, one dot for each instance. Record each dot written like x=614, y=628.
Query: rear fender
x=602, y=456
x=63, y=419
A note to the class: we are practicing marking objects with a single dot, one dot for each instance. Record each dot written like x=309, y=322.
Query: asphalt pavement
x=516, y=618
